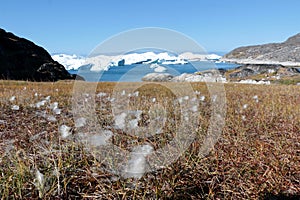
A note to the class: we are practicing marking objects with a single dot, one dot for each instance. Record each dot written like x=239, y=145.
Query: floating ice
x=65, y=131
x=136, y=166
x=158, y=68
x=80, y=122
x=15, y=107
x=69, y=61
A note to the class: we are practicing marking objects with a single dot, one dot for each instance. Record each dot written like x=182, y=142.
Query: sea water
x=135, y=73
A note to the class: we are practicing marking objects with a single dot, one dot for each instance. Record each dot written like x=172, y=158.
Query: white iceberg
x=104, y=62
x=158, y=68
x=70, y=62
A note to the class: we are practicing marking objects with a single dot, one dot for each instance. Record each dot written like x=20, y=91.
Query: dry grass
x=257, y=156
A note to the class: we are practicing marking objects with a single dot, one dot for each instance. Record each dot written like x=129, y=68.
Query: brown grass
x=257, y=156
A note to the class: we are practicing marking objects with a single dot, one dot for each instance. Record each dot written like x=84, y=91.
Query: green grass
x=256, y=157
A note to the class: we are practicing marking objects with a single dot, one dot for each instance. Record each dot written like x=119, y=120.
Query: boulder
x=21, y=59
x=257, y=69
x=157, y=77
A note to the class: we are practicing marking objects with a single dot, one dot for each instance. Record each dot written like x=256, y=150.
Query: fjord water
x=135, y=73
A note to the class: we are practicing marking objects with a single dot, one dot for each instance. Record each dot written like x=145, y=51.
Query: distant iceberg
x=158, y=68
x=70, y=62
x=104, y=62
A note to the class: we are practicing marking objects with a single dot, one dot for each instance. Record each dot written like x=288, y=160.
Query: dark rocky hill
x=288, y=51
x=21, y=59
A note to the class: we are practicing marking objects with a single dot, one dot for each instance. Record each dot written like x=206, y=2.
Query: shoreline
x=259, y=62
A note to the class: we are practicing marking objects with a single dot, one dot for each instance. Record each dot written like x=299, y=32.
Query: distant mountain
x=286, y=53
x=21, y=59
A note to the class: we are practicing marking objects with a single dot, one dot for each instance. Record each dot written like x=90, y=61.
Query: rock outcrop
x=286, y=53
x=21, y=59
x=249, y=70
x=157, y=77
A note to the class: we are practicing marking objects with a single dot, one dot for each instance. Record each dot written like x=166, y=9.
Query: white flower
x=65, y=131
x=197, y=92
x=48, y=98
x=15, y=107
x=186, y=98
x=101, y=94
x=40, y=183
x=255, y=98
x=80, y=122
x=202, y=98
x=13, y=98
x=244, y=118
x=41, y=103
x=137, y=164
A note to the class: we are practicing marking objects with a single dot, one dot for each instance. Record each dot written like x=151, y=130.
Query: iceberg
x=70, y=62
x=104, y=62
x=158, y=68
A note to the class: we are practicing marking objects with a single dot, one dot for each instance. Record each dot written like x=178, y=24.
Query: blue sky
x=77, y=26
